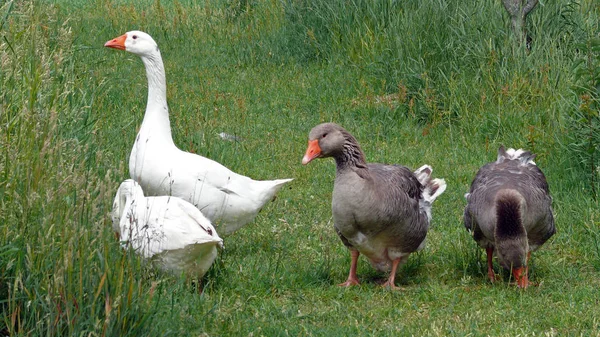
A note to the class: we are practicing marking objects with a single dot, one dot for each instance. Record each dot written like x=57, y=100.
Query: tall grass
x=460, y=48
x=58, y=273
x=417, y=82
x=585, y=114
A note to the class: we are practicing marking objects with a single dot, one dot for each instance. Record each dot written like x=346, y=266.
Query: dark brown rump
x=508, y=215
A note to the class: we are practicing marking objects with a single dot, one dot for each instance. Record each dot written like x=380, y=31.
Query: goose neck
x=350, y=157
x=157, y=110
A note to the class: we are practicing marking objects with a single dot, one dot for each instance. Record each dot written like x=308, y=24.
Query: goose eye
x=134, y=37
x=324, y=135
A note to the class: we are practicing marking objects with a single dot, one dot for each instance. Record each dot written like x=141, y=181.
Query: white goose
x=161, y=168
x=167, y=229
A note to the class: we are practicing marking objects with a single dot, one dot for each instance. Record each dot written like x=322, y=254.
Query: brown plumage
x=381, y=211
x=509, y=211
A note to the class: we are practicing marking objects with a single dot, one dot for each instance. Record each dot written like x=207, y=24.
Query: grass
x=446, y=90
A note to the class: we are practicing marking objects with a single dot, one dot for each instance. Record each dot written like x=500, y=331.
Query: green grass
x=437, y=82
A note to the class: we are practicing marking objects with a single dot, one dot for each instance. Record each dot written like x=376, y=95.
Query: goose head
x=325, y=140
x=136, y=42
x=128, y=190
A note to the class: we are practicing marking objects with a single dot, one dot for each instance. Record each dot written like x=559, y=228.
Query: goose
x=380, y=211
x=168, y=230
x=161, y=168
x=509, y=211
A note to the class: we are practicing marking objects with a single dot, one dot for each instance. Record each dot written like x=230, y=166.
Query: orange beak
x=520, y=275
x=313, y=151
x=117, y=43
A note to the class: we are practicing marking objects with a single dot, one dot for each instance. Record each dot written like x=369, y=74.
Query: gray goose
x=509, y=211
x=381, y=211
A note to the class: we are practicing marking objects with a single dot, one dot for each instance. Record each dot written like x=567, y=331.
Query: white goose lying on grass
x=161, y=168
x=168, y=230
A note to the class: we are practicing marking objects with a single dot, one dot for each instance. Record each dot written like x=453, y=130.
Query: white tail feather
x=423, y=174
x=525, y=157
x=432, y=190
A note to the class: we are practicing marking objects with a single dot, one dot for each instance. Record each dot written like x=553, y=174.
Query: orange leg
x=352, y=279
x=490, y=256
x=392, y=279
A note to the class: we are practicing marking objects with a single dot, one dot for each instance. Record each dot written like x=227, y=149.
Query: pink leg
x=392, y=279
x=352, y=279
x=490, y=256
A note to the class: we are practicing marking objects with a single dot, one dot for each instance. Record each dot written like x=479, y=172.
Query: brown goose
x=509, y=211
x=381, y=211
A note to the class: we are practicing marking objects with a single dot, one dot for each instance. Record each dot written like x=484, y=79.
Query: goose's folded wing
x=183, y=225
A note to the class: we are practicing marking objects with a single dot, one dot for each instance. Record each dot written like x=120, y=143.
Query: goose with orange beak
x=509, y=212
x=380, y=211
x=226, y=198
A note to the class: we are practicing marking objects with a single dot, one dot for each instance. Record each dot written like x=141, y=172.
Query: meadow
x=439, y=82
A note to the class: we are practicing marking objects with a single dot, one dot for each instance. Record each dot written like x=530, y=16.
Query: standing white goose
x=162, y=169
x=167, y=229
x=509, y=211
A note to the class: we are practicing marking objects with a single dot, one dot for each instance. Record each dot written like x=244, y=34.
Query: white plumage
x=223, y=196
x=167, y=229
